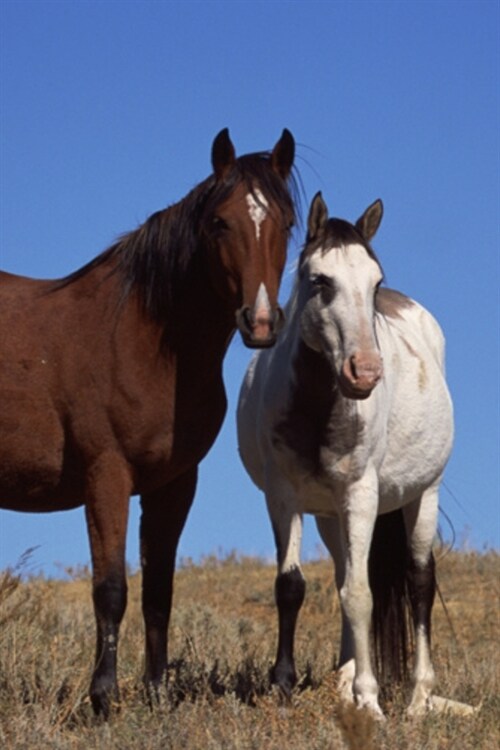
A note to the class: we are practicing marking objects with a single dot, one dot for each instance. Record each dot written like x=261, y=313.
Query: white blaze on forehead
x=342, y=261
x=351, y=267
x=257, y=208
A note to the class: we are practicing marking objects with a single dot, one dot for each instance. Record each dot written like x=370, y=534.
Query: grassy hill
x=222, y=643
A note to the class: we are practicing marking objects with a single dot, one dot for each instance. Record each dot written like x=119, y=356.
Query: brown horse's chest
x=177, y=436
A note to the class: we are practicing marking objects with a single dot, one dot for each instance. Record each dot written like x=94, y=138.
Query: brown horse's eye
x=218, y=224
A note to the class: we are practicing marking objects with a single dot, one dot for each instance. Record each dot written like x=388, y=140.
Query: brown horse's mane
x=156, y=258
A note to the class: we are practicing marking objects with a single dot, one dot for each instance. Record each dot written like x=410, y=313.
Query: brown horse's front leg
x=108, y=491
x=164, y=513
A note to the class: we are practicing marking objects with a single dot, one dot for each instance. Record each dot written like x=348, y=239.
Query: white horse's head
x=339, y=276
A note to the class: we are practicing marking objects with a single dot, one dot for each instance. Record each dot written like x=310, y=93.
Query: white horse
x=349, y=418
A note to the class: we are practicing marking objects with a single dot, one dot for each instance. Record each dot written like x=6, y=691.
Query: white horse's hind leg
x=421, y=521
x=290, y=584
x=331, y=534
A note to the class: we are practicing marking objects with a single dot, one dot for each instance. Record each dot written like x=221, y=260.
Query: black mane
x=155, y=258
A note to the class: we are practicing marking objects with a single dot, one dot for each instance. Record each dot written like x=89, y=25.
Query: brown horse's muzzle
x=259, y=329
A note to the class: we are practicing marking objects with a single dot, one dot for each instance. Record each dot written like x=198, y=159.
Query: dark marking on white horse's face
x=339, y=288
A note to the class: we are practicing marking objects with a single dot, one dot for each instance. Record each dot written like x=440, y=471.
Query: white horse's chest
x=407, y=419
x=319, y=460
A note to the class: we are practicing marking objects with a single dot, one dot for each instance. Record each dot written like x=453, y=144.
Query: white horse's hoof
x=447, y=706
x=373, y=710
x=439, y=705
x=415, y=710
x=345, y=677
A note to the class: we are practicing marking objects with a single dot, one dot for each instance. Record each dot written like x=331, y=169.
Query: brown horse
x=111, y=378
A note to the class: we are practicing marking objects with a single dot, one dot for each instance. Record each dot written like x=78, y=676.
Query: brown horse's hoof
x=104, y=697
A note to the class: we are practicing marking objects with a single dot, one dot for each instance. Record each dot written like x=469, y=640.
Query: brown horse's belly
x=47, y=504
x=177, y=450
x=31, y=452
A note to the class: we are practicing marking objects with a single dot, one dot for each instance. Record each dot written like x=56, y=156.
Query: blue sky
x=108, y=112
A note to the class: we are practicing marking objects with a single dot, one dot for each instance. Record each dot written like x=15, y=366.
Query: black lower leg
x=290, y=590
x=163, y=517
x=110, y=599
x=421, y=581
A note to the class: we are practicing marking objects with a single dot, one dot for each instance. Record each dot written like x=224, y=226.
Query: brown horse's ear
x=368, y=224
x=318, y=217
x=283, y=154
x=223, y=154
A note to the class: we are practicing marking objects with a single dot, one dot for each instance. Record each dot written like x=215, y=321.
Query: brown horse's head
x=230, y=232
x=246, y=222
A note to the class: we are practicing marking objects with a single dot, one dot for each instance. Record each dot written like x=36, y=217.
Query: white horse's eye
x=320, y=280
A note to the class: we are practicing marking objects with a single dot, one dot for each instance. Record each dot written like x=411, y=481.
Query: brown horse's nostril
x=247, y=318
x=258, y=330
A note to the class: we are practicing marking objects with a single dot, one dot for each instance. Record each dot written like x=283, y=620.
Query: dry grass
x=222, y=637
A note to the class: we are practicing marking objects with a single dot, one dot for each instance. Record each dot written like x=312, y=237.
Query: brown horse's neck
x=195, y=335
x=201, y=325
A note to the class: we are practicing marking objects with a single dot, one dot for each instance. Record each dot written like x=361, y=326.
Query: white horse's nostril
x=366, y=366
x=360, y=374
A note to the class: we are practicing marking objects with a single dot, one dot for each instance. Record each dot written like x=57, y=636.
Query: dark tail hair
x=388, y=568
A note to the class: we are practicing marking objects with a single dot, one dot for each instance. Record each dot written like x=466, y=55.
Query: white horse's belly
x=415, y=462
x=316, y=499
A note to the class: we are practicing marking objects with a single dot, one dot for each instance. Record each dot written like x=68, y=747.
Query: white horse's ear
x=223, y=154
x=368, y=224
x=318, y=217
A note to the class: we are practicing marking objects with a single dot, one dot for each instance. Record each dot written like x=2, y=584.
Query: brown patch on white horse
x=391, y=303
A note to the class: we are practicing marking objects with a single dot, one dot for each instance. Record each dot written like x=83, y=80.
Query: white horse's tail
x=391, y=622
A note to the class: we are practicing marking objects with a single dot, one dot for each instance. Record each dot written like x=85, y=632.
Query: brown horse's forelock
x=156, y=258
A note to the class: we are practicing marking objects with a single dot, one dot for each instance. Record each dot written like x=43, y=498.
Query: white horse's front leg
x=290, y=584
x=331, y=532
x=421, y=522
x=360, y=513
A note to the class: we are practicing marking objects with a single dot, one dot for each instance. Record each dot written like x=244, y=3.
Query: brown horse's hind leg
x=164, y=513
x=108, y=492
